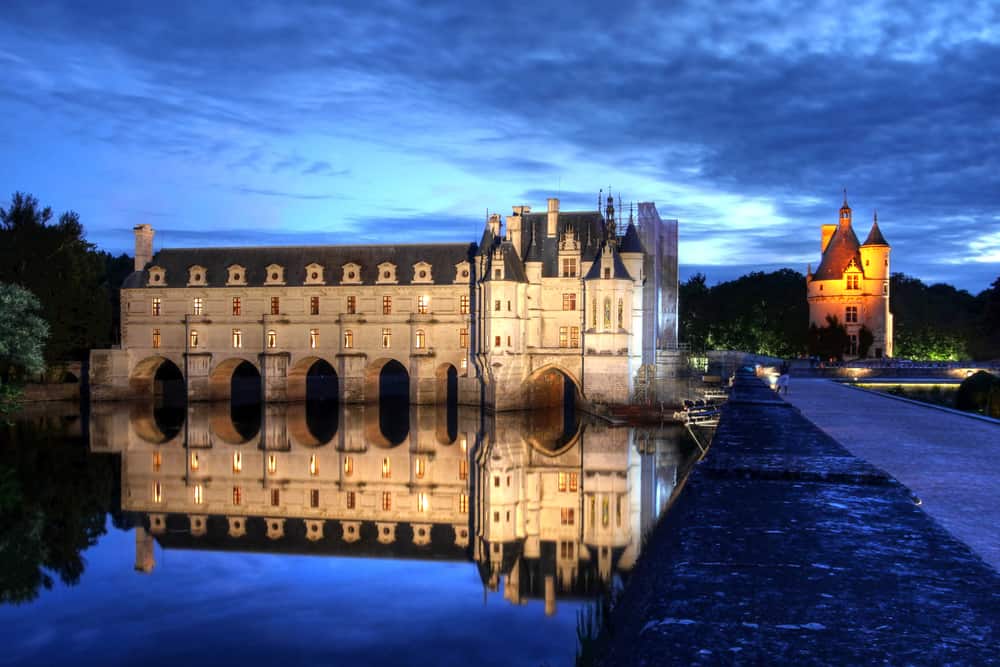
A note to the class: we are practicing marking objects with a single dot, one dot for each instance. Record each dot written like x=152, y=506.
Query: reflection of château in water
x=549, y=506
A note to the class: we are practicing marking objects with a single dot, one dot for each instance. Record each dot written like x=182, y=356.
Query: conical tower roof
x=875, y=235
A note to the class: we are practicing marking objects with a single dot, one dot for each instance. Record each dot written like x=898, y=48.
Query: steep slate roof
x=630, y=242
x=513, y=268
x=875, y=236
x=441, y=256
x=842, y=248
x=619, y=272
x=587, y=225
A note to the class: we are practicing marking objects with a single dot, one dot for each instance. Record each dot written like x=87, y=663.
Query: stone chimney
x=514, y=226
x=143, y=246
x=494, y=224
x=553, y=220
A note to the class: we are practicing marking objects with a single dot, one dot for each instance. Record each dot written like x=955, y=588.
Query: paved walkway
x=951, y=462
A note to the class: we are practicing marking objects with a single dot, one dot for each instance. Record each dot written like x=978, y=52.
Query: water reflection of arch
x=300, y=373
x=220, y=379
x=375, y=430
x=377, y=377
x=226, y=426
x=543, y=389
x=155, y=424
x=142, y=380
x=306, y=428
x=548, y=431
x=446, y=394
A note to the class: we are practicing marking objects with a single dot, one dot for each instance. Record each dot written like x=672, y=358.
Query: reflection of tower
x=145, y=559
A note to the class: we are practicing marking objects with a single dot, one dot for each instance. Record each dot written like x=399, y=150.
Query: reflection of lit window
x=194, y=461
x=386, y=469
x=463, y=338
x=605, y=514
x=422, y=302
x=198, y=494
x=348, y=339
x=566, y=550
x=464, y=444
x=314, y=498
x=386, y=500
x=275, y=497
x=156, y=338
x=194, y=338
x=197, y=305
x=567, y=517
x=351, y=500
x=421, y=339
x=419, y=467
x=348, y=466
x=593, y=511
x=237, y=461
x=463, y=502
x=313, y=465
x=272, y=339
x=156, y=305
x=272, y=463
x=618, y=512
x=237, y=495
x=157, y=461
x=464, y=304
x=157, y=492
x=573, y=481
x=386, y=337
x=314, y=305
x=422, y=502
x=314, y=338
x=463, y=469
x=237, y=338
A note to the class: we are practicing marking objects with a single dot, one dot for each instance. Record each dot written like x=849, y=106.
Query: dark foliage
x=830, y=341
x=979, y=392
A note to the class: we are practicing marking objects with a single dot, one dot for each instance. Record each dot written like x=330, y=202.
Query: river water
x=318, y=534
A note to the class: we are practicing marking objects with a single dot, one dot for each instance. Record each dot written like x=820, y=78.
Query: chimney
x=553, y=221
x=514, y=231
x=827, y=231
x=495, y=224
x=143, y=246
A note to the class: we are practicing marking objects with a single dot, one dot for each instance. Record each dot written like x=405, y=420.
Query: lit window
x=194, y=461
x=197, y=305
x=421, y=339
x=422, y=503
x=464, y=304
x=563, y=477
x=348, y=339
x=386, y=338
x=352, y=305
x=386, y=468
x=567, y=516
x=237, y=338
x=593, y=511
x=569, y=301
x=463, y=502
x=157, y=492
x=563, y=336
x=194, y=338
x=569, y=268
x=156, y=338
x=573, y=481
x=275, y=497
x=851, y=314
x=464, y=363
x=593, y=312
x=237, y=306
x=272, y=339
x=237, y=495
x=351, y=500
x=605, y=513
x=621, y=314
x=156, y=305
x=275, y=305
x=463, y=469
x=272, y=463
x=463, y=338
x=618, y=511
x=419, y=467
x=387, y=305
x=348, y=466
x=237, y=462
x=422, y=302
x=157, y=461
x=314, y=498
x=313, y=465
x=386, y=500
x=574, y=336
x=607, y=313
x=199, y=496
x=314, y=338
x=314, y=305
x=852, y=281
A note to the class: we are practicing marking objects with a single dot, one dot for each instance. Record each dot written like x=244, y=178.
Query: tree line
x=767, y=313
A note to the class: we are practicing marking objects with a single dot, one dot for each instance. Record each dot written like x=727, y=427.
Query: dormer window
x=386, y=273
x=314, y=274
x=422, y=273
x=462, y=272
x=197, y=275
x=274, y=274
x=157, y=276
x=237, y=275
x=352, y=274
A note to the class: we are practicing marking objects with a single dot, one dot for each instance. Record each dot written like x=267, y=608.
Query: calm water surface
x=317, y=534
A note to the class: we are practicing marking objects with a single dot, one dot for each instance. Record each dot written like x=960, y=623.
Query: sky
x=356, y=122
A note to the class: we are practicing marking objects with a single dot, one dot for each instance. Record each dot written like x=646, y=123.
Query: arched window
x=593, y=312
x=621, y=313
x=272, y=339
x=421, y=339
x=607, y=313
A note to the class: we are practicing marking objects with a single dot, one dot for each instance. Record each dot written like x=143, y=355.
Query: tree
x=865, y=340
x=23, y=333
x=830, y=341
x=934, y=322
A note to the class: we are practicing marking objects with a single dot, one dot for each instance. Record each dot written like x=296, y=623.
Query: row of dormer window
x=315, y=274
x=351, y=305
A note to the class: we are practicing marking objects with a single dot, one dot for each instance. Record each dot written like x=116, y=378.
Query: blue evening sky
x=339, y=122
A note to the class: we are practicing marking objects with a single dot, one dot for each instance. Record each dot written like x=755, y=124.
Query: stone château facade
x=545, y=304
x=852, y=284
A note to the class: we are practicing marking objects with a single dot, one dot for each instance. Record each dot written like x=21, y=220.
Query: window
x=621, y=314
x=593, y=511
x=851, y=314
x=422, y=503
x=498, y=274
x=496, y=341
x=463, y=304
x=573, y=482
x=275, y=497
x=238, y=462
x=563, y=336
x=237, y=306
x=237, y=495
x=199, y=496
x=421, y=339
x=419, y=467
x=607, y=313
x=272, y=463
x=463, y=502
x=157, y=492
x=272, y=339
x=885, y=288
x=563, y=479
x=314, y=498
x=574, y=336
x=852, y=281
x=605, y=512
x=386, y=500
x=352, y=305
x=607, y=273
x=313, y=465
x=593, y=312
x=854, y=344
x=569, y=481
x=194, y=337
x=464, y=363
x=496, y=481
x=197, y=305
x=496, y=305
x=314, y=338
x=275, y=305
x=422, y=304
x=618, y=511
x=156, y=338
x=314, y=305
x=508, y=306
x=156, y=306
x=569, y=301
x=351, y=500
x=566, y=550
x=237, y=338
x=569, y=267
x=567, y=517
x=386, y=468
x=387, y=305
x=348, y=339
x=348, y=466
x=386, y=338
x=508, y=341
x=463, y=469
x=194, y=461
x=496, y=517
x=157, y=461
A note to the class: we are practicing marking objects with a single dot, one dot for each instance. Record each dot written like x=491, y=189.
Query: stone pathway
x=951, y=462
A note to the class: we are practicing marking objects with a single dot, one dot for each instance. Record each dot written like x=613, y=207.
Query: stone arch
x=446, y=394
x=551, y=386
x=220, y=380
x=307, y=377
x=145, y=375
x=376, y=376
